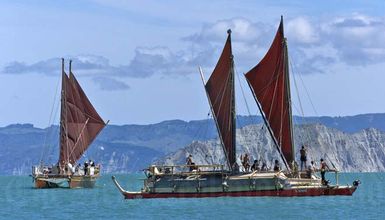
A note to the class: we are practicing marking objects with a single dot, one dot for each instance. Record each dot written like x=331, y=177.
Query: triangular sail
x=220, y=91
x=269, y=81
x=80, y=123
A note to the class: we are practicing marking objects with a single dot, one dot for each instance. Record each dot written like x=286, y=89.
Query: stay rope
x=326, y=157
x=50, y=132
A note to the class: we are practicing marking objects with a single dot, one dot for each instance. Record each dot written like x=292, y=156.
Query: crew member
x=245, y=162
x=255, y=166
x=276, y=166
x=323, y=169
x=303, y=153
x=190, y=163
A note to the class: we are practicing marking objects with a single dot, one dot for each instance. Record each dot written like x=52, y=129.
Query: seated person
x=264, y=166
x=310, y=169
x=235, y=168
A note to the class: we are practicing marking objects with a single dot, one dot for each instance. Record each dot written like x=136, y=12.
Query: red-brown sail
x=269, y=81
x=80, y=123
x=220, y=91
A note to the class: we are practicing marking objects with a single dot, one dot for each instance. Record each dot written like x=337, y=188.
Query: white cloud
x=358, y=38
x=354, y=39
x=243, y=30
x=302, y=31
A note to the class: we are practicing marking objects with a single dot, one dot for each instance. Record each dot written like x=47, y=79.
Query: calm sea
x=18, y=200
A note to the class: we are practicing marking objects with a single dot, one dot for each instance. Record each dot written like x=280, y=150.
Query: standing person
x=303, y=153
x=323, y=168
x=276, y=166
x=264, y=166
x=85, y=168
x=190, y=163
x=246, y=163
x=189, y=160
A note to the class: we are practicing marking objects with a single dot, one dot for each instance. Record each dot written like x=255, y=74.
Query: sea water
x=18, y=200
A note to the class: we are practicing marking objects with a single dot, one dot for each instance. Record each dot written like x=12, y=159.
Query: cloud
x=300, y=30
x=358, y=38
x=242, y=29
x=149, y=61
x=315, y=44
x=110, y=84
x=49, y=66
x=249, y=41
x=88, y=65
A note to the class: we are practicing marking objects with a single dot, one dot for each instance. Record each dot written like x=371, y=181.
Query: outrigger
x=270, y=86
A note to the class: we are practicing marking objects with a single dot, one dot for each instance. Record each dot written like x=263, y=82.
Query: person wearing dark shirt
x=264, y=166
x=323, y=168
x=85, y=168
x=276, y=166
x=255, y=166
x=303, y=158
x=190, y=163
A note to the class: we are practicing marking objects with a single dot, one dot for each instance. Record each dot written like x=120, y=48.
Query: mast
x=288, y=95
x=233, y=110
x=63, y=118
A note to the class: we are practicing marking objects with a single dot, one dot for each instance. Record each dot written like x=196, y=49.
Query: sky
x=138, y=60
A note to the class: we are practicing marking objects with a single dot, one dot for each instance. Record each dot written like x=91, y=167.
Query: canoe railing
x=53, y=171
x=185, y=169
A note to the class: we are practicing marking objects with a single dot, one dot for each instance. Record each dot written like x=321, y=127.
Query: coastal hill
x=130, y=148
x=362, y=151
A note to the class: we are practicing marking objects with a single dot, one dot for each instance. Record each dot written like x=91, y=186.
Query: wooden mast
x=233, y=110
x=288, y=97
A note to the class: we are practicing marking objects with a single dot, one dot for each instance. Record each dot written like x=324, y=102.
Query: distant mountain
x=129, y=148
x=363, y=151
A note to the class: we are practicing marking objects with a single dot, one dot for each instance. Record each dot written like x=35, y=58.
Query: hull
x=82, y=182
x=268, y=184
x=42, y=182
x=339, y=191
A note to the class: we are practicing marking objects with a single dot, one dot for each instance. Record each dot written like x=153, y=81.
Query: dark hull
x=281, y=193
x=286, y=192
x=43, y=184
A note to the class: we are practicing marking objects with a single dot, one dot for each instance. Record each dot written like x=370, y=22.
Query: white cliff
x=363, y=151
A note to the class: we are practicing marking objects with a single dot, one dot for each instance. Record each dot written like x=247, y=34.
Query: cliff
x=362, y=151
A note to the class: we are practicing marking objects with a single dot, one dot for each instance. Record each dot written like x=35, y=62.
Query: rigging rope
x=245, y=101
x=326, y=157
x=254, y=121
x=293, y=73
x=52, y=116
